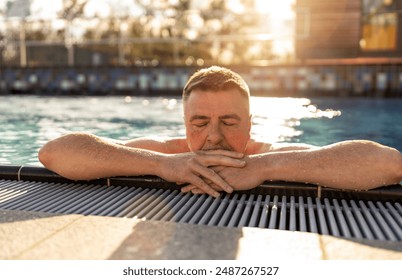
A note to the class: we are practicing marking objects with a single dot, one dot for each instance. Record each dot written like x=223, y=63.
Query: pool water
x=28, y=122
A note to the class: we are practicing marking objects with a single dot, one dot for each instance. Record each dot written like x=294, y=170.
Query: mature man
x=218, y=153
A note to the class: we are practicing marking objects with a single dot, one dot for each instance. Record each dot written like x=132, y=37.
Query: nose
x=215, y=135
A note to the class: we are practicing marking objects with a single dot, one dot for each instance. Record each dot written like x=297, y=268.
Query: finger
x=199, y=183
x=197, y=191
x=213, y=160
x=227, y=153
x=218, y=168
x=188, y=188
x=211, y=175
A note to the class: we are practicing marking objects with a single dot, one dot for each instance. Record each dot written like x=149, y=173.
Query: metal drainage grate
x=363, y=219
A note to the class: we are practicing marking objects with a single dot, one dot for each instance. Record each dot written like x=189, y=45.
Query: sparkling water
x=28, y=122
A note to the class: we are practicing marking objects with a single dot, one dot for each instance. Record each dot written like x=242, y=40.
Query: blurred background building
x=348, y=29
x=287, y=47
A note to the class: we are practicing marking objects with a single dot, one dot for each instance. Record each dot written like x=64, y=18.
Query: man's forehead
x=226, y=97
x=215, y=104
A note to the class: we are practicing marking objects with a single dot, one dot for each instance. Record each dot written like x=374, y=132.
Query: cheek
x=195, y=139
x=238, y=139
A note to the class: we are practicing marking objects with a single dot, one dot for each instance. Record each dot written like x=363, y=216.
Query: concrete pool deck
x=36, y=235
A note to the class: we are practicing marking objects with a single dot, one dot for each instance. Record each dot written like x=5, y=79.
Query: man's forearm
x=83, y=157
x=357, y=165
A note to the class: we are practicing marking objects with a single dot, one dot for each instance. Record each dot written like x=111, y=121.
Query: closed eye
x=200, y=124
x=230, y=119
x=229, y=123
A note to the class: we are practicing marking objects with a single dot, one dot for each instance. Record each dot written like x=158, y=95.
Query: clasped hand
x=207, y=171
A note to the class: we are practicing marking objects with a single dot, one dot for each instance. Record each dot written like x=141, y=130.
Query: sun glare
x=281, y=9
x=277, y=119
x=280, y=16
x=98, y=8
x=46, y=9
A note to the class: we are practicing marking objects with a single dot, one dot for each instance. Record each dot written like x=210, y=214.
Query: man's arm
x=357, y=165
x=81, y=156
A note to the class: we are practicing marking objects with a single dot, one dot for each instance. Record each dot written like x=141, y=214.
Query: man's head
x=215, y=79
x=216, y=110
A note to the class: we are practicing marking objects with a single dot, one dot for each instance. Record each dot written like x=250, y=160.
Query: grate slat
x=39, y=197
x=73, y=203
x=198, y=216
x=195, y=209
x=341, y=219
x=398, y=207
x=228, y=212
x=282, y=216
x=170, y=215
x=244, y=217
x=311, y=217
x=110, y=202
x=188, y=200
x=153, y=201
x=383, y=224
x=162, y=208
x=396, y=217
x=371, y=222
x=124, y=202
x=331, y=218
x=135, y=201
x=142, y=202
x=29, y=198
x=13, y=189
x=362, y=221
x=351, y=220
x=321, y=217
x=292, y=214
x=393, y=224
x=210, y=210
x=168, y=207
x=274, y=213
x=65, y=196
x=222, y=204
x=239, y=213
x=302, y=215
x=97, y=194
x=264, y=213
x=256, y=211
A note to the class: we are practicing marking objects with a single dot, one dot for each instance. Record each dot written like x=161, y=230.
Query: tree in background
x=169, y=32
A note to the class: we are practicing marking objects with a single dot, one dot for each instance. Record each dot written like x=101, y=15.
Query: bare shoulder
x=256, y=147
x=159, y=144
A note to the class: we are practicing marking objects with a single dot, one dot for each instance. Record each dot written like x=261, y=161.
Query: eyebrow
x=198, y=117
x=230, y=116
x=224, y=117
